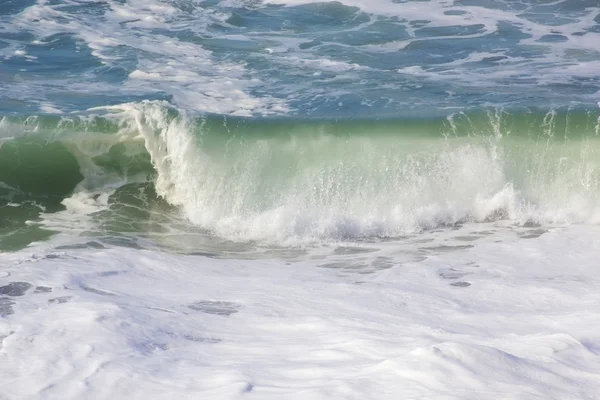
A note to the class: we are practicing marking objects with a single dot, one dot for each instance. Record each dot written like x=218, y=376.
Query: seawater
x=297, y=199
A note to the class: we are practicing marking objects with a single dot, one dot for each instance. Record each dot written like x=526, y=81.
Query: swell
x=281, y=180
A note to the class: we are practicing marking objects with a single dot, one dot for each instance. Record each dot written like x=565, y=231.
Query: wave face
x=281, y=181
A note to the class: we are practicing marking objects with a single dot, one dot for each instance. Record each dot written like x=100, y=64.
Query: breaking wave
x=278, y=180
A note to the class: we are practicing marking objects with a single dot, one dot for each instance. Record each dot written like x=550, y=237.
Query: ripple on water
x=6, y=306
x=224, y=308
x=460, y=284
x=60, y=300
x=532, y=234
x=15, y=288
x=445, y=248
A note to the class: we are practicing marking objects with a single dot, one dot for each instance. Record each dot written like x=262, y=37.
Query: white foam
x=124, y=323
x=50, y=109
x=325, y=64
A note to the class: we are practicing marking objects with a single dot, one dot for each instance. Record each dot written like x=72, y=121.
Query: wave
x=282, y=180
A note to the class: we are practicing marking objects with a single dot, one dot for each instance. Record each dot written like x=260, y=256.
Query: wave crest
x=282, y=180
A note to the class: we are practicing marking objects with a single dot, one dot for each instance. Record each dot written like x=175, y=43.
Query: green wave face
x=285, y=180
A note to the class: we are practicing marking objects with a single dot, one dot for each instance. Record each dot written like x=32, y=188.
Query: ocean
x=291, y=199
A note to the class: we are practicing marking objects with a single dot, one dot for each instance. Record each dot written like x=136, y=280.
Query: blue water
x=307, y=59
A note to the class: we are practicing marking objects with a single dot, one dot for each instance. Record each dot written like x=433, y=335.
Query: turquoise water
x=290, y=121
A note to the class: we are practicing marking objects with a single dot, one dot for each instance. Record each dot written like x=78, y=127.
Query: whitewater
x=388, y=199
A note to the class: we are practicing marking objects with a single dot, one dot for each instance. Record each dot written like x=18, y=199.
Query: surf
x=282, y=180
